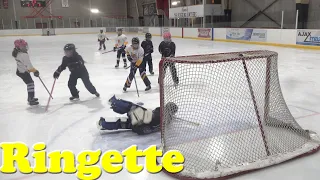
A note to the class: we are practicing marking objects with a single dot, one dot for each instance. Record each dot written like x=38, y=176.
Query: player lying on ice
x=141, y=120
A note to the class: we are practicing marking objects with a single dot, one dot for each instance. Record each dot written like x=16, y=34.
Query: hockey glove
x=98, y=40
x=114, y=49
x=129, y=58
x=108, y=39
x=56, y=74
x=36, y=73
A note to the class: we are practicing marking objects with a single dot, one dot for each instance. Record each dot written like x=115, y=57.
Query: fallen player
x=139, y=119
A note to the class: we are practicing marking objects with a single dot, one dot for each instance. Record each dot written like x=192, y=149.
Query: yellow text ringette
x=86, y=167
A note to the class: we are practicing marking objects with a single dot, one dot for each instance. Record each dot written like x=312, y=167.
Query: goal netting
x=48, y=32
x=230, y=115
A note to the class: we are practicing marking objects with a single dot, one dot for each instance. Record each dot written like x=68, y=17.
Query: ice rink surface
x=72, y=126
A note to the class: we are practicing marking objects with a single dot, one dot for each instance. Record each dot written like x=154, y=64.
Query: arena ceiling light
x=174, y=3
x=94, y=10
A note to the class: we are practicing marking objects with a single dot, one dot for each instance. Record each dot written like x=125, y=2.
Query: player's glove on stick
x=36, y=73
x=129, y=58
x=56, y=74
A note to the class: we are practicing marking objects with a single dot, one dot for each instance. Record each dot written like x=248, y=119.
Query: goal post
x=229, y=115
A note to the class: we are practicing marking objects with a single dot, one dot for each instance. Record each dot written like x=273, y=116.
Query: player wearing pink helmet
x=167, y=49
x=24, y=67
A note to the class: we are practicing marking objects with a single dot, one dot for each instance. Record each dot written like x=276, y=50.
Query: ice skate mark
x=71, y=103
x=304, y=109
x=37, y=109
x=302, y=117
x=25, y=177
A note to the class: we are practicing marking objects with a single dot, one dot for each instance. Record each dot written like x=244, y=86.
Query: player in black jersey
x=75, y=63
x=167, y=49
x=147, y=46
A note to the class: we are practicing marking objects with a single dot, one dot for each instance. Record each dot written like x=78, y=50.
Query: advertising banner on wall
x=308, y=37
x=186, y=12
x=247, y=34
x=204, y=32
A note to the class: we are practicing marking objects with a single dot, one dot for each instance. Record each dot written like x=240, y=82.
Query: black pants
x=143, y=75
x=121, y=52
x=173, y=71
x=84, y=75
x=27, y=79
x=148, y=60
x=102, y=43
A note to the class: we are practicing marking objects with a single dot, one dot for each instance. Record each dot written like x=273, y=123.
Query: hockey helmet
x=119, y=31
x=69, y=49
x=21, y=44
x=101, y=30
x=167, y=37
x=148, y=36
x=171, y=108
x=135, y=42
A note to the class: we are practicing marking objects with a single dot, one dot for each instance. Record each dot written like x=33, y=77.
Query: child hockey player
x=147, y=46
x=135, y=55
x=102, y=39
x=75, y=63
x=120, y=46
x=24, y=67
x=167, y=48
x=141, y=120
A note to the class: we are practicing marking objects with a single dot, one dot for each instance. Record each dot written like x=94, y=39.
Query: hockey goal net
x=48, y=32
x=230, y=115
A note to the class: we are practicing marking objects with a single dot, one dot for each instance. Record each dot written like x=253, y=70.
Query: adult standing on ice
x=75, y=63
x=24, y=67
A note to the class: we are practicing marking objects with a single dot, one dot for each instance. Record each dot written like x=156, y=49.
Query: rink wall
x=294, y=38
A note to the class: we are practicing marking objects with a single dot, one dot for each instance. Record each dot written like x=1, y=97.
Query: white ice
x=73, y=125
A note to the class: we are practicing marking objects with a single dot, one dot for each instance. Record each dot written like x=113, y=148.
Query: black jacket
x=167, y=49
x=147, y=46
x=73, y=63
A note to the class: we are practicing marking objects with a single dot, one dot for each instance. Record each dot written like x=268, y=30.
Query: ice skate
x=125, y=65
x=74, y=98
x=124, y=89
x=34, y=99
x=117, y=65
x=33, y=103
x=97, y=94
x=151, y=72
x=148, y=88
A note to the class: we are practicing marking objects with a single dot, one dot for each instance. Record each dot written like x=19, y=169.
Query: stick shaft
x=45, y=87
x=54, y=82
x=135, y=82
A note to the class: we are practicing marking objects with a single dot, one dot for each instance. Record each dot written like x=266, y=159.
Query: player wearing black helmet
x=147, y=46
x=135, y=55
x=75, y=63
